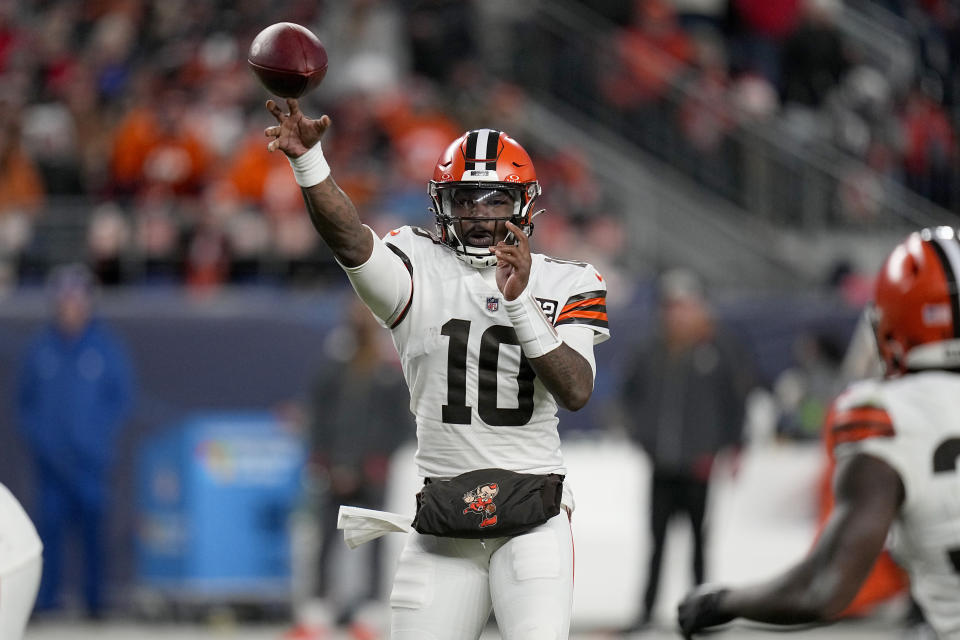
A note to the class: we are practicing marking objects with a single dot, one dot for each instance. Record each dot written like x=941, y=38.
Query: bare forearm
x=567, y=375
x=335, y=219
x=869, y=493
x=792, y=598
x=800, y=596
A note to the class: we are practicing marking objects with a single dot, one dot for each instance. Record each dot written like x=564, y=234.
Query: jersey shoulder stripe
x=572, y=263
x=409, y=265
x=588, y=308
x=423, y=233
x=408, y=235
x=861, y=422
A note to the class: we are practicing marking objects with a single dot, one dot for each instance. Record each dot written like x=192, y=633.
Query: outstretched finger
x=522, y=241
x=322, y=124
x=272, y=132
x=293, y=105
x=274, y=109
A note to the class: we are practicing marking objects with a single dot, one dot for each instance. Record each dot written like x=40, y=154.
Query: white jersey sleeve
x=383, y=282
x=911, y=424
x=581, y=320
x=585, y=303
x=19, y=542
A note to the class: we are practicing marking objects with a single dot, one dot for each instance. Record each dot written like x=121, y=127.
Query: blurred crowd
x=682, y=76
x=131, y=130
x=138, y=124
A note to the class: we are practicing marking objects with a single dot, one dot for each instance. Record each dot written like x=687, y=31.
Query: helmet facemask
x=472, y=217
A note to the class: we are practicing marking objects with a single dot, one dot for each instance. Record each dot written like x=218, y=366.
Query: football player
x=20, y=566
x=492, y=338
x=897, y=442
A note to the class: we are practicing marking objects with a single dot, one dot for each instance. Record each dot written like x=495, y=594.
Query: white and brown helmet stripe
x=482, y=150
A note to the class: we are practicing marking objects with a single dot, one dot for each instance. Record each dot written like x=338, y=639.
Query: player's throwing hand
x=295, y=133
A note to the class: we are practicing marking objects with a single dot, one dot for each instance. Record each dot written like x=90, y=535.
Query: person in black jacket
x=357, y=422
x=683, y=395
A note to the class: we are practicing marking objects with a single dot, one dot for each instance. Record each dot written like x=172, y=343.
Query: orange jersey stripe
x=863, y=430
x=858, y=423
x=582, y=303
x=861, y=414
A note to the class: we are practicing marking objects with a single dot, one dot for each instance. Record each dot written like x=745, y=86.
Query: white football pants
x=444, y=588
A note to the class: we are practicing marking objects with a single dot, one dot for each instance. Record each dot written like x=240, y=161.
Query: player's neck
x=489, y=275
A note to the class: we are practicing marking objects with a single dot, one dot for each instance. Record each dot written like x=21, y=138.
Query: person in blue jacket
x=74, y=395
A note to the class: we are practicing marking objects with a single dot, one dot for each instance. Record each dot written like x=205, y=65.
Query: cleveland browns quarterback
x=492, y=339
x=897, y=443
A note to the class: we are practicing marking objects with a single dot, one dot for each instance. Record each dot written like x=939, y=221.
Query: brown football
x=288, y=59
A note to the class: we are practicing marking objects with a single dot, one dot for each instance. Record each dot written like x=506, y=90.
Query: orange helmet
x=482, y=159
x=916, y=314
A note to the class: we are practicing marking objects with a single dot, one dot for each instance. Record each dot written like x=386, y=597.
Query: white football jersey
x=913, y=424
x=19, y=542
x=477, y=401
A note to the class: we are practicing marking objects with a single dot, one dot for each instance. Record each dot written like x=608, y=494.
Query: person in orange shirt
x=21, y=187
x=651, y=53
x=250, y=168
x=22, y=192
x=153, y=145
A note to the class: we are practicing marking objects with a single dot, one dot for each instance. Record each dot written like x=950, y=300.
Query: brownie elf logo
x=480, y=500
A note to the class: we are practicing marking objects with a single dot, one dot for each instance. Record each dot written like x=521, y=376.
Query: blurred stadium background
x=778, y=148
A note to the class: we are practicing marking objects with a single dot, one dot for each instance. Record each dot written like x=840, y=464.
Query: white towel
x=363, y=525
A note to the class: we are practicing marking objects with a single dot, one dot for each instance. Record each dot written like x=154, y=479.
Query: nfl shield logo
x=493, y=304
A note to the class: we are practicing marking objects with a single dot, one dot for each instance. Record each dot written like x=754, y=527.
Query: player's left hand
x=513, y=263
x=701, y=609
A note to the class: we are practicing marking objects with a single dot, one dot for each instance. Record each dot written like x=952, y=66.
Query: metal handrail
x=822, y=169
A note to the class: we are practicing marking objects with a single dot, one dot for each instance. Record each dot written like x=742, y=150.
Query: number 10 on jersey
x=456, y=411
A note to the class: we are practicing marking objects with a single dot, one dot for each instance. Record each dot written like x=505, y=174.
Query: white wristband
x=537, y=336
x=311, y=168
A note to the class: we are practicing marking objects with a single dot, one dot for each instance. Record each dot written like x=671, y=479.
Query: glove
x=701, y=609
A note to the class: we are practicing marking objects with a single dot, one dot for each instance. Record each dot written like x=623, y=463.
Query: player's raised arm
x=377, y=274
x=331, y=210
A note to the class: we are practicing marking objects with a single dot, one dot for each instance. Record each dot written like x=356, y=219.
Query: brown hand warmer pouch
x=487, y=503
